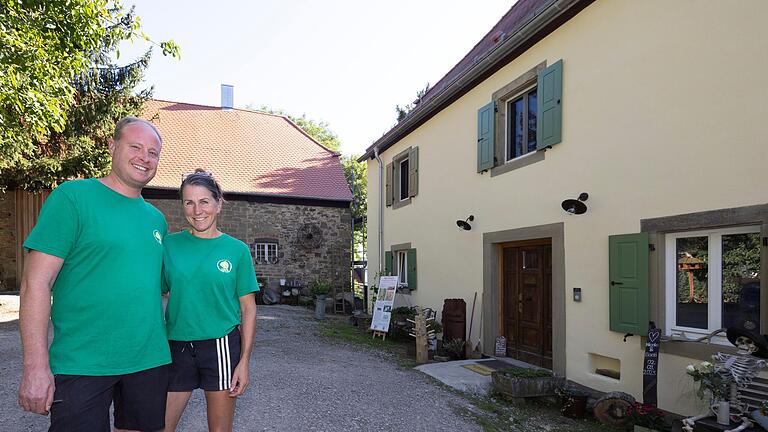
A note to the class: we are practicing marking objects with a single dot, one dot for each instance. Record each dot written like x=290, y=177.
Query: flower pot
x=320, y=307
x=576, y=408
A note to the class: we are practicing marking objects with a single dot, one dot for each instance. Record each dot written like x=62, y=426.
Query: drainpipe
x=381, y=208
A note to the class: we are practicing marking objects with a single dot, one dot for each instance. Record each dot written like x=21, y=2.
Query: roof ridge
x=335, y=153
x=218, y=107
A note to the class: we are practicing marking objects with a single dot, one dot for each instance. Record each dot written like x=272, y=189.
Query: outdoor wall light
x=575, y=206
x=464, y=224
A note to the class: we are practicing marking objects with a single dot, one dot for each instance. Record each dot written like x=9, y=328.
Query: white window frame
x=508, y=133
x=401, y=267
x=268, y=251
x=714, y=279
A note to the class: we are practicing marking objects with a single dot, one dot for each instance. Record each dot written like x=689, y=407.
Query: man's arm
x=37, y=384
x=247, y=334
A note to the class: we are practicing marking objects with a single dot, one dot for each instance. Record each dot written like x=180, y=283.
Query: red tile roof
x=248, y=152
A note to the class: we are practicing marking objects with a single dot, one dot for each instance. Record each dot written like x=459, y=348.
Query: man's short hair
x=125, y=121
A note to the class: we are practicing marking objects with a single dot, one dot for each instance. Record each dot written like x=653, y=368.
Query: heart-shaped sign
x=653, y=336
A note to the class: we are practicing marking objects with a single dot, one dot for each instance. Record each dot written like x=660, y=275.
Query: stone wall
x=279, y=223
x=247, y=221
x=8, y=276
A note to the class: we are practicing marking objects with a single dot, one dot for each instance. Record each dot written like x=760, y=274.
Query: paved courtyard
x=299, y=382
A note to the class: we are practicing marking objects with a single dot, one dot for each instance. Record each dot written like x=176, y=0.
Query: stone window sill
x=517, y=163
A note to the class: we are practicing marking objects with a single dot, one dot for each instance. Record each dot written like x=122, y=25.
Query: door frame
x=503, y=292
x=492, y=268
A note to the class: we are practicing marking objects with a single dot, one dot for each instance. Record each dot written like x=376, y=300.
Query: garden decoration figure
x=736, y=371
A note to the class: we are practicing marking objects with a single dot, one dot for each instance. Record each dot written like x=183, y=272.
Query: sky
x=344, y=62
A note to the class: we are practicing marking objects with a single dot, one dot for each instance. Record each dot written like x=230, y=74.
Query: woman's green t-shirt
x=205, y=279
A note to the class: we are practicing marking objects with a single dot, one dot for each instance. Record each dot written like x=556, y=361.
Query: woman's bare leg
x=221, y=410
x=174, y=407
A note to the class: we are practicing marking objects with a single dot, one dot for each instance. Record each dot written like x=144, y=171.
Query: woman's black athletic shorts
x=206, y=364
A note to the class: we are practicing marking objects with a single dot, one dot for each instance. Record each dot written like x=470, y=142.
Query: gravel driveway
x=299, y=382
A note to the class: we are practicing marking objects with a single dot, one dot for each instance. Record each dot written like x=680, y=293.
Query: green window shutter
x=485, y=118
x=549, y=110
x=390, y=174
x=413, y=172
x=628, y=283
x=412, y=280
x=388, y=263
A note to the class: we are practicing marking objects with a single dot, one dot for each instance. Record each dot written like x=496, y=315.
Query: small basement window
x=606, y=366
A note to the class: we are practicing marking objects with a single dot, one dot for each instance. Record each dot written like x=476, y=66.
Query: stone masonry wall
x=8, y=276
x=247, y=221
x=280, y=223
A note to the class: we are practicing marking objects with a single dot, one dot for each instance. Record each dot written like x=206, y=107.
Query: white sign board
x=382, y=310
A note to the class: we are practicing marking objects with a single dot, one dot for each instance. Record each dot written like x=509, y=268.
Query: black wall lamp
x=575, y=206
x=464, y=224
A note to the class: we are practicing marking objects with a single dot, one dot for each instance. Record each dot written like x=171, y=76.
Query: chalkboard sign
x=651, y=366
x=501, y=347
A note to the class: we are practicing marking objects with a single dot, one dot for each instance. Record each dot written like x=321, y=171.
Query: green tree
x=357, y=178
x=402, y=112
x=319, y=130
x=59, y=92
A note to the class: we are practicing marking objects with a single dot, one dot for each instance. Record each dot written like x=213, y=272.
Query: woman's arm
x=247, y=335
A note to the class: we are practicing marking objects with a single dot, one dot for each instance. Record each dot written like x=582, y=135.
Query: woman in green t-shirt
x=211, y=314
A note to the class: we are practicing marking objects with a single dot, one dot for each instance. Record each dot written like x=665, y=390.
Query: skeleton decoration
x=743, y=367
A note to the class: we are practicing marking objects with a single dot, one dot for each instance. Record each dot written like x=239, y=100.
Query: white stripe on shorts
x=224, y=363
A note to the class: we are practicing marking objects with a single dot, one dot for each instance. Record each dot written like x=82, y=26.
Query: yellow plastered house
x=609, y=159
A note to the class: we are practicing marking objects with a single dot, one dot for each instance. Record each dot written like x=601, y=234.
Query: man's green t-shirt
x=107, y=311
x=205, y=278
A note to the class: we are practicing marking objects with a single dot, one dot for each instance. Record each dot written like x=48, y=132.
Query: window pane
x=692, y=280
x=404, y=179
x=741, y=279
x=532, y=120
x=260, y=255
x=401, y=267
x=272, y=252
x=519, y=116
x=530, y=259
x=510, y=130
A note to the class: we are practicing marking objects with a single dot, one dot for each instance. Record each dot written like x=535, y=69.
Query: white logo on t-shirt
x=224, y=266
x=157, y=236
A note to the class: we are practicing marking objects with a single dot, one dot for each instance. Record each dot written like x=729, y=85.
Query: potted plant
x=454, y=348
x=320, y=289
x=573, y=402
x=716, y=381
x=645, y=417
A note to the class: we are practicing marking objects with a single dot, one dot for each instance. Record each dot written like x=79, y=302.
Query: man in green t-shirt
x=97, y=250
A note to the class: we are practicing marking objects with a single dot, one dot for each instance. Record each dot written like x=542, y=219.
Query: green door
x=628, y=283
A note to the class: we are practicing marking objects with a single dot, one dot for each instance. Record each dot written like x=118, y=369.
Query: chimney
x=227, y=97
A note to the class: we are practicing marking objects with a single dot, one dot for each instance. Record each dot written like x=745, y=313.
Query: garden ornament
x=742, y=367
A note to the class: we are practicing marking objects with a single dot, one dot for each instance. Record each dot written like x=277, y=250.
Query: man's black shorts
x=206, y=364
x=81, y=403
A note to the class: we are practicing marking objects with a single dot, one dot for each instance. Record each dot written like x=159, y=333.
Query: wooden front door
x=527, y=300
